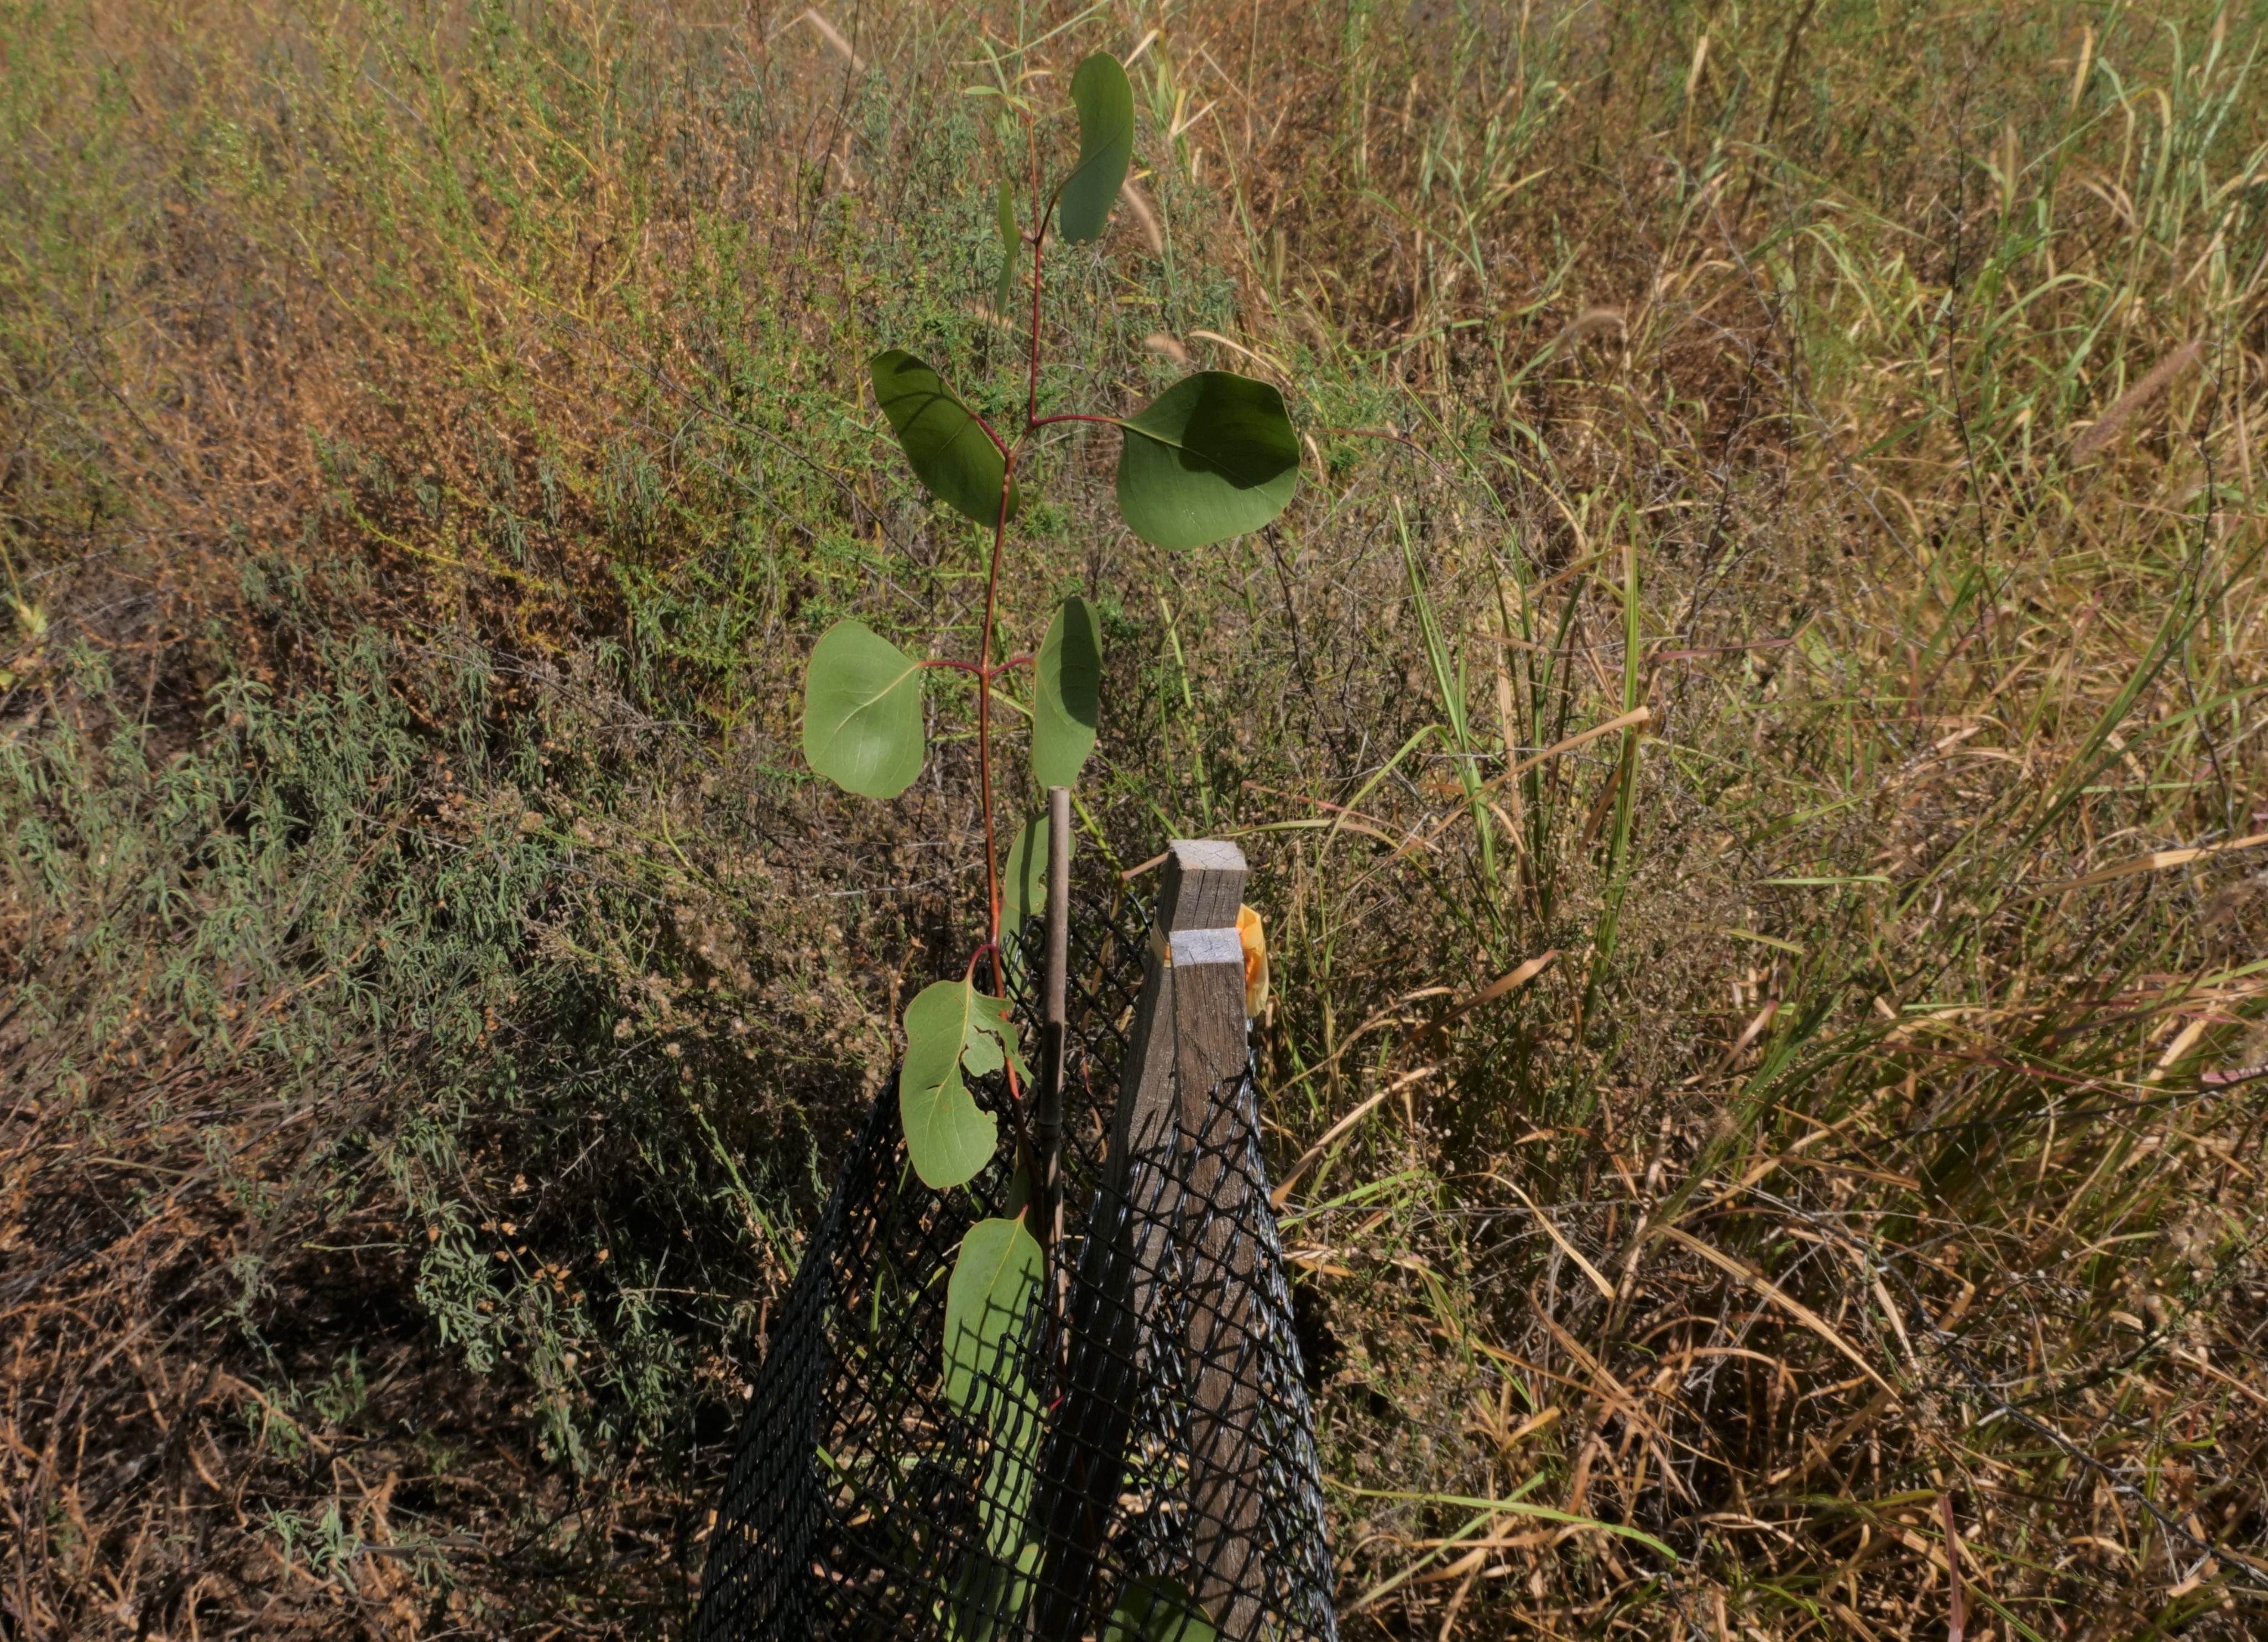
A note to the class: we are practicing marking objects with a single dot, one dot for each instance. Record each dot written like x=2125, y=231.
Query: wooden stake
x=1184, y=1057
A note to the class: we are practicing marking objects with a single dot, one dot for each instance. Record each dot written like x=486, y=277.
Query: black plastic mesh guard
x=1135, y=1462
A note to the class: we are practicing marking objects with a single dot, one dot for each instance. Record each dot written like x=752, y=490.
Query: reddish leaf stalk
x=973, y=670
x=984, y=742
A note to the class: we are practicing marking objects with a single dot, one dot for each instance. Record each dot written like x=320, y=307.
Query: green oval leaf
x=990, y=1592
x=1024, y=886
x=993, y=1278
x=1157, y=1609
x=1069, y=696
x=949, y=1026
x=1011, y=245
x=862, y=718
x=1211, y=457
x=1104, y=101
x=950, y=451
x=948, y=1137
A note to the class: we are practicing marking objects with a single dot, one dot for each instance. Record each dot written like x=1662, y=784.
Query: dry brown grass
x=1872, y=401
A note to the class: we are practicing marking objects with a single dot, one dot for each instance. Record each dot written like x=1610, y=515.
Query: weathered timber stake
x=1168, y=1178
x=1204, y=887
x=1223, y=1352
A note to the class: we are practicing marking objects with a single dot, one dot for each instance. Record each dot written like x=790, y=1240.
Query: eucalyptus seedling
x=1211, y=457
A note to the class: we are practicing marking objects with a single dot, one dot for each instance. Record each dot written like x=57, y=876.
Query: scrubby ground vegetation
x=436, y=996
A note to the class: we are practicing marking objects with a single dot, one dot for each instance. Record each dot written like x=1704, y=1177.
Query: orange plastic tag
x=1256, y=961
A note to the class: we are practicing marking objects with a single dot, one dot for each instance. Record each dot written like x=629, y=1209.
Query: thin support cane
x=1054, y=1016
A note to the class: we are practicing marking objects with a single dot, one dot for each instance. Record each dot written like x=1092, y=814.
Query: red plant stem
x=1008, y=666
x=985, y=670
x=998, y=444
x=1069, y=416
x=984, y=674
x=1032, y=408
x=984, y=735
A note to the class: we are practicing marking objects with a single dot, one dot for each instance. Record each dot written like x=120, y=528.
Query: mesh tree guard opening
x=1124, y=1453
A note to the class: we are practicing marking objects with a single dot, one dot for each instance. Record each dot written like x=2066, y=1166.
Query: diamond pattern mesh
x=1130, y=1456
